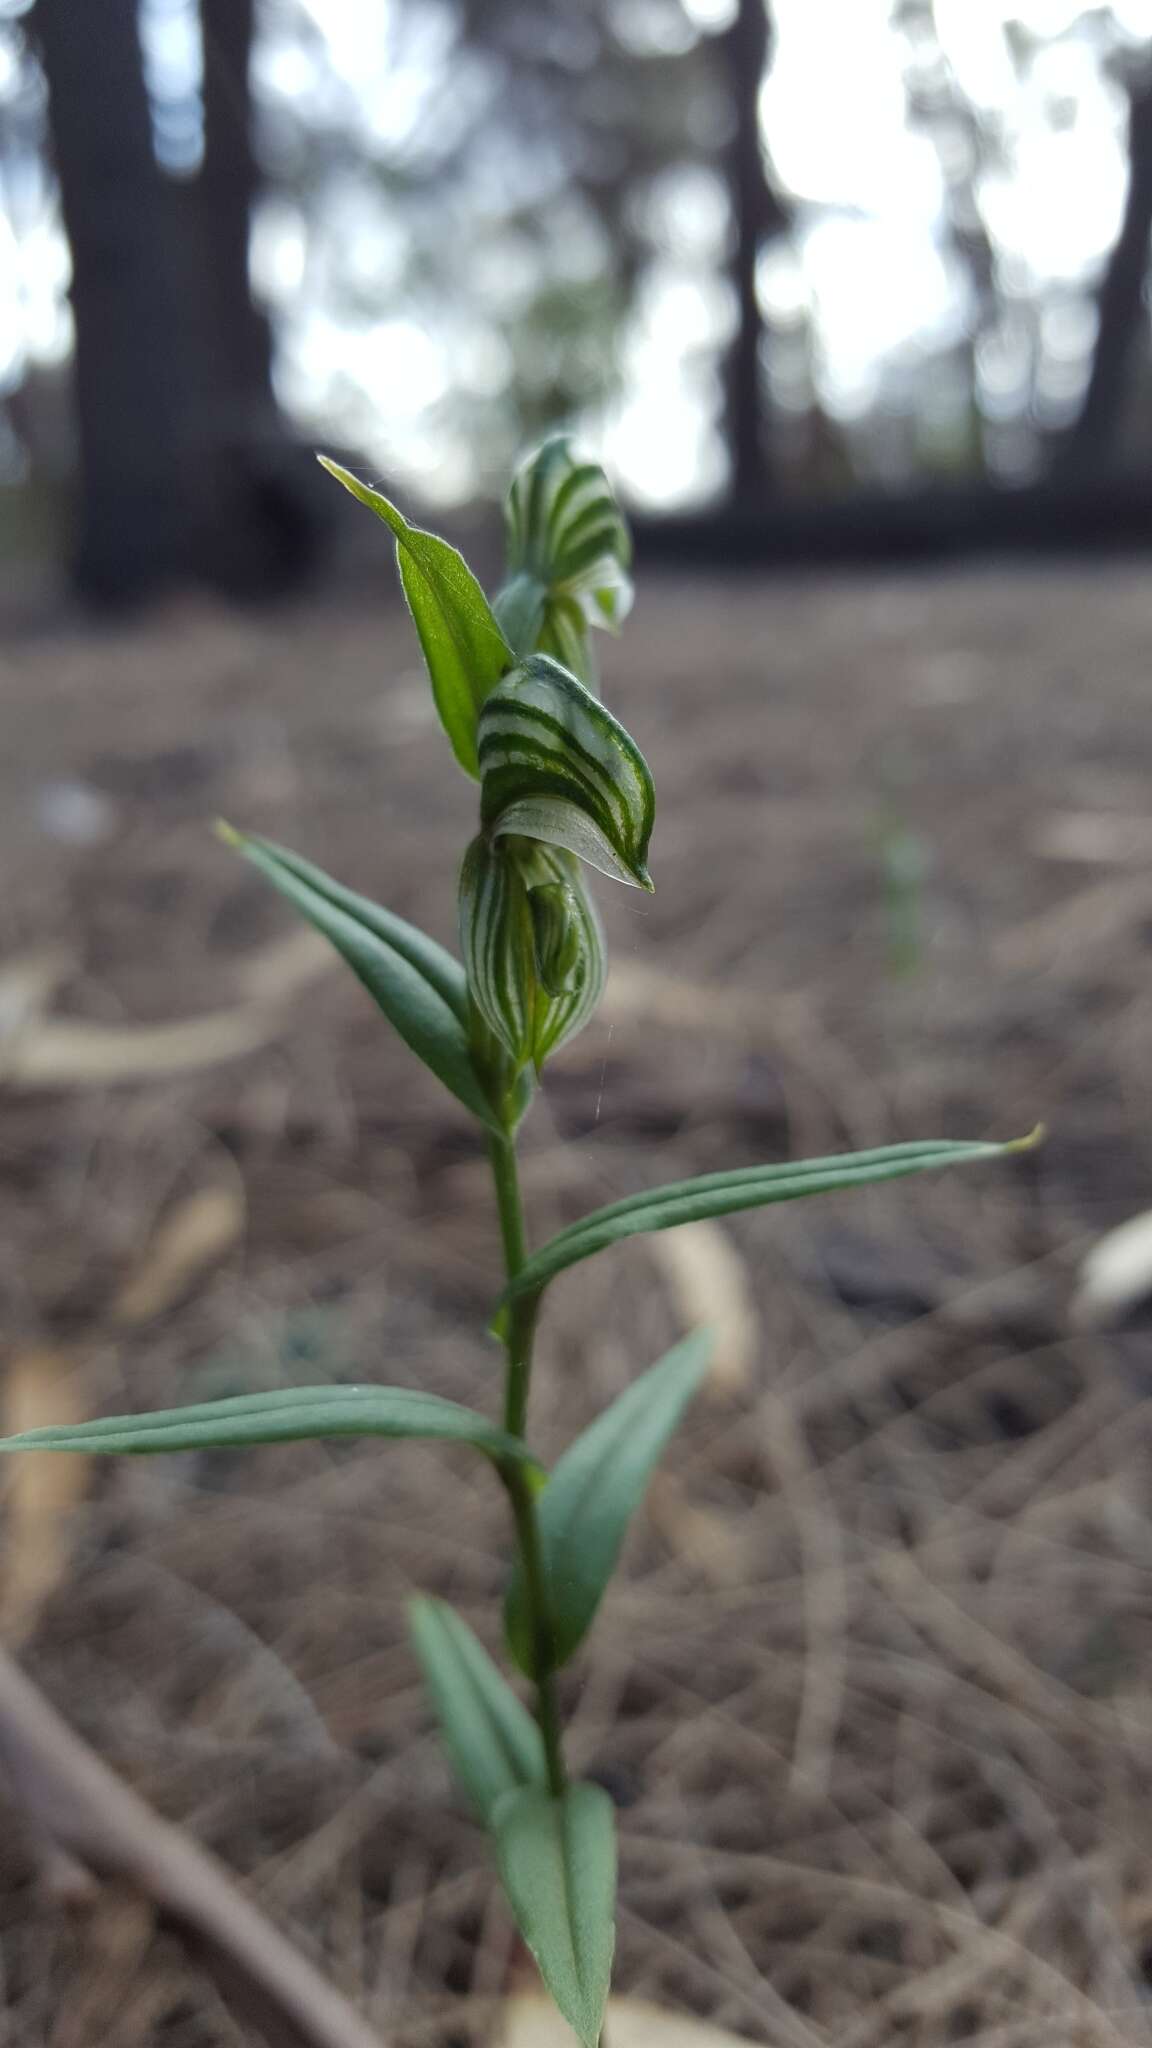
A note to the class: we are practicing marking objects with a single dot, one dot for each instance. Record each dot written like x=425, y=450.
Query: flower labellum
x=556, y=937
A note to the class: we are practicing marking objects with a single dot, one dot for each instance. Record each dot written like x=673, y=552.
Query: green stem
x=540, y=1624
x=518, y=1344
x=519, y=1334
x=522, y=1314
x=502, y=1153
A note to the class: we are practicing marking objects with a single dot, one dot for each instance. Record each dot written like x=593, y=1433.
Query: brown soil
x=873, y=1694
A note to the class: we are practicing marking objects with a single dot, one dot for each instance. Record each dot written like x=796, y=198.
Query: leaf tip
x=700, y=1344
x=228, y=835
x=1029, y=1142
x=419, y=1610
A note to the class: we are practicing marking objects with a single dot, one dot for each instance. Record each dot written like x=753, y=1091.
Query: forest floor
x=874, y=1692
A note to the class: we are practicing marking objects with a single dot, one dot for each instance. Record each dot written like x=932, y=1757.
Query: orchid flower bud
x=569, y=552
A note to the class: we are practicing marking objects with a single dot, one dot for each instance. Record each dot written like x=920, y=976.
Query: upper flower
x=569, y=552
x=556, y=766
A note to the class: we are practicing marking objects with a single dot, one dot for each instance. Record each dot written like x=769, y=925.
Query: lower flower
x=532, y=943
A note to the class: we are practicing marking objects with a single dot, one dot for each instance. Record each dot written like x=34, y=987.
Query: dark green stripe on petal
x=497, y=941
x=556, y=766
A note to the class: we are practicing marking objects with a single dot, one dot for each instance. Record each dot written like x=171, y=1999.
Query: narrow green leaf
x=288, y=1415
x=592, y=1494
x=556, y=766
x=464, y=650
x=421, y=989
x=490, y=1736
x=722, y=1194
x=557, y=1861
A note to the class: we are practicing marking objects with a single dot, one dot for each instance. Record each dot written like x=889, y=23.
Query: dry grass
x=873, y=1697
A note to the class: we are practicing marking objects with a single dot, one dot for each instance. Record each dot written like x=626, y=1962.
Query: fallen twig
x=90, y=1815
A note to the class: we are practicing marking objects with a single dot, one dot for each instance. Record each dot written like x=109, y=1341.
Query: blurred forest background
x=765, y=257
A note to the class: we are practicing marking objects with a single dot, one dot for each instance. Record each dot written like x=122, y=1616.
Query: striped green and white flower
x=532, y=943
x=569, y=553
x=556, y=766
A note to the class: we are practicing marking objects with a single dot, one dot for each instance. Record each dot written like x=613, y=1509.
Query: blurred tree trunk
x=1092, y=440
x=970, y=150
x=186, y=465
x=257, y=497
x=757, y=214
x=226, y=190
x=130, y=377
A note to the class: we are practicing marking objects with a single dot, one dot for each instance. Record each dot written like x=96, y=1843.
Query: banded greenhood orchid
x=532, y=943
x=556, y=766
x=569, y=553
x=560, y=784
